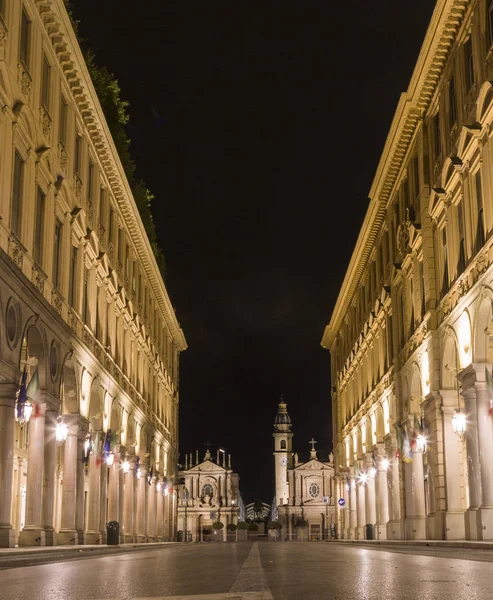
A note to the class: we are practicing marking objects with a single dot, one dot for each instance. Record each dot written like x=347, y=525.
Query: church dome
x=282, y=417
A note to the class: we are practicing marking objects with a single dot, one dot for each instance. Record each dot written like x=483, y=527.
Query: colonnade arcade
x=65, y=492
x=435, y=482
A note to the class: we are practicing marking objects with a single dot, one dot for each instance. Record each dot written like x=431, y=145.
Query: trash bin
x=113, y=533
x=369, y=532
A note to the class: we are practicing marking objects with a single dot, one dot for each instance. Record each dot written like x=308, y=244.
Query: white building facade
x=411, y=335
x=83, y=307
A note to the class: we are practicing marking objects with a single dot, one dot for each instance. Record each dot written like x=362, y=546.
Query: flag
x=22, y=397
x=489, y=383
x=398, y=437
x=373, y=459
x=406, y=448
x=98, y=455
x=112, y=440
x=33, y=394
x=149, y=477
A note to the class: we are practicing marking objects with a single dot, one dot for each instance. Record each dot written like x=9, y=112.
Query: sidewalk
x=471, y=544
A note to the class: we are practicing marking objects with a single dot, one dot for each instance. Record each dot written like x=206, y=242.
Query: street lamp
x=421, y=443
x=110, y=459
x=61, y=431
x=385, y=464
x=459, y=423
x=23, y=411
x=126, y=466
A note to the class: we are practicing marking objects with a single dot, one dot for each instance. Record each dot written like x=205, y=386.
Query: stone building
x=411, y=333
x=305, y=491
x=83, y=308
x=208, y=492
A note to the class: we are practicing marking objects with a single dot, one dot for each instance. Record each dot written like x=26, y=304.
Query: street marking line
x=251, y=577
x=226, y=596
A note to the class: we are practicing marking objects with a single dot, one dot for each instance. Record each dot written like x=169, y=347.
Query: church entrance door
x=315, y=532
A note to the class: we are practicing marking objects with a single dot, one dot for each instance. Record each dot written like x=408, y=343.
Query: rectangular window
x=98, y=314
x=45, y=83
x=490, y=22
x=2, y=7
x=85, y=297
x=72, y=275
x=416, y=189
x=78, y=142
x=127, y=260
x=461, y=264
x=16, y=207
x=437, y=135
x=445, y=262
x=56, y=253
x=24, y=39
x=411, y=299
x=469, y=63
x=39, y=227
x=102, y=201
x=452, y=103
x=480, y=237
x=63, y=122
x=90, y=181
x=110, y=226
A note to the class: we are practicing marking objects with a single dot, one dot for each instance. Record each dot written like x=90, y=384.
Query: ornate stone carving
x=56, y=301
x=78, y=187
x=403, y=237
x=462, y=287
x=45, y=122
x=73, y=321
x=437, y=169
x=119, y=268
x=489, y=65
x=101, y=233
x=3, y=36
x=24, y=80
x=38, y=278
x=62, y=155
x=481, y=264
x=111, y=251
x=15, y=252
x=90, y=210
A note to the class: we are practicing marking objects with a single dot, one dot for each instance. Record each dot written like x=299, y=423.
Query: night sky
x=258, y=126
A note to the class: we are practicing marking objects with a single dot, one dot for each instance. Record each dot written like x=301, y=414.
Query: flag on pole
x=22, y=397
x=149, y=477
x=407, y=455
x=398, y=437
x=489, y=384
x=98, y=455
x=34, y=395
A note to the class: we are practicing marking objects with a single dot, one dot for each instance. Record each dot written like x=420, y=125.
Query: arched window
x=283, y=444
x=207, y=490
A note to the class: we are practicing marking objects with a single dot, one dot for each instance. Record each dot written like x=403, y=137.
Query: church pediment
x=314, y=465
x=207, y=466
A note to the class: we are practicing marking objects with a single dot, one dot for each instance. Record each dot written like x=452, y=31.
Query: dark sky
x=258, y=125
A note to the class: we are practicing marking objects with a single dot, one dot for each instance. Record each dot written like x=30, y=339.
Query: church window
x=207, y=490
x=314, y=490
x=283, y=444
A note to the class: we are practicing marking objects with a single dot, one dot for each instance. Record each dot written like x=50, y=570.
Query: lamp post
x=61, y=431
x=459, y=423
x=185, y=524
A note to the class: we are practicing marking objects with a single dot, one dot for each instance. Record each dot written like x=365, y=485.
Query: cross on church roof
x=207, y=445
x=313, y=442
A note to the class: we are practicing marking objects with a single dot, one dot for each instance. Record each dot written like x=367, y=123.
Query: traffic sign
x=341, y=502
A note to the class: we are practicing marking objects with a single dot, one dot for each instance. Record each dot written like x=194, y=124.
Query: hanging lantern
x=88, y=445
x=372, y=472
x=158, y=486
x=110, y=459
x=459, y=423
x=138, y=473
x=421, y=443
x=363, y=478
x=126, y=466
x=61, y=431
x=23, y=408
x=385, y=464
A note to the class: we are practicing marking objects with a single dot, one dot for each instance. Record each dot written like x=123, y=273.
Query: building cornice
x=411, y=109
x=59, y=29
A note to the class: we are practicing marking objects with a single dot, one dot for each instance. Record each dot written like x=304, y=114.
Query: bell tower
x=283, y=456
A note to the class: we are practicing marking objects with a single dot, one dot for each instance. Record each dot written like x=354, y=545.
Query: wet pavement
x=260, y=571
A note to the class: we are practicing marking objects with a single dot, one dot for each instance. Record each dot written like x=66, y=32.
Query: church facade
x=411, y=334
x=208, y=492
x=305, y=491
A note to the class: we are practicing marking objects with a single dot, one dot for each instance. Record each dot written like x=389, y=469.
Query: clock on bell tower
x=282, y=452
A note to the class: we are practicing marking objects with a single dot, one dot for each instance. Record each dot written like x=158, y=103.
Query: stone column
x=370, y=496
x=129, y=502
x=160, y=515
x=382, y=494
x=50, y=478
x=33, y=533
x=114, y=489
x=93, y=534
x=121, y=499
x=361, y=511
x=472, y=527
x=454, y=515
x=141, y=516
x=151, y=511
x=80, y=517
x=68, y=533
x=7, y=425
x=485, y=439
x=415, y=498
x=166, y=523
x=103, y=499
x=394, y=527
x=353, y=508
